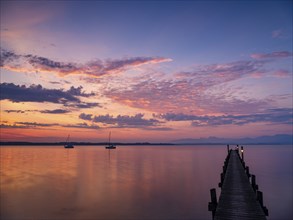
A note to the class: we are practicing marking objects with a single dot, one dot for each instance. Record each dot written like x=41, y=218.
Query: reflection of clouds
x=22, y=167
x=37, y=181
x=85, y=183
x=272, y=166
x=165, y=182
x=162, y=179
x=135, y=182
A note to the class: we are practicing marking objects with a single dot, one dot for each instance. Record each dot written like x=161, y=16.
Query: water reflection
x=274, y=168
x=127, y=183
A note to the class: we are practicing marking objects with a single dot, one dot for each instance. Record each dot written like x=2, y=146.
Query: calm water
x=132, y=182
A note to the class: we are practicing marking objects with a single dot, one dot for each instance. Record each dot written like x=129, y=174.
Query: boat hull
x=110, y=147
x=68, y=146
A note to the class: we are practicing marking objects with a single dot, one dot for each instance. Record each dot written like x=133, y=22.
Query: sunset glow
x=146, y=71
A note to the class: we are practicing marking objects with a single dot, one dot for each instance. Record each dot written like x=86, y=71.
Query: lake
x=132, y=182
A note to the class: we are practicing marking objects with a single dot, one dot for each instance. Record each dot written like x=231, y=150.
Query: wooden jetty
x=240, y=198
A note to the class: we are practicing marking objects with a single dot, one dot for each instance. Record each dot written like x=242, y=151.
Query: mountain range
x=275, y=139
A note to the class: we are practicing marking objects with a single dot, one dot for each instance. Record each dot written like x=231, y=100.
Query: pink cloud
x=273, y=55
x=280, y=34
x=191, y=91
x=282, y=73
x=32, y=63
x=184, y=96
x=270, y=116
x=257, y=75
x=214, y=74
x=277, y=33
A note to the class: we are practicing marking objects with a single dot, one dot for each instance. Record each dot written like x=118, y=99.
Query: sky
x=153, y=71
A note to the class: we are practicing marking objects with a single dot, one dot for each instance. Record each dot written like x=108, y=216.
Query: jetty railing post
x=242, y=154
x=259, y=197
x=253, y=183
x=222, y=180
x=228, y=149
x=213, y=204
x=247, y=172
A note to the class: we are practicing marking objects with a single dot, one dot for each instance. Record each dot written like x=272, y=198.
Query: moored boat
x=68, y=144
x=110, y=146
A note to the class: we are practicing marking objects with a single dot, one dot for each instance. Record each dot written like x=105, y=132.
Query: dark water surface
x=132, y=182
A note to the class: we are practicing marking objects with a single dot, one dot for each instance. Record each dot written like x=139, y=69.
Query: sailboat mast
x=109, y=137
x=67, y=138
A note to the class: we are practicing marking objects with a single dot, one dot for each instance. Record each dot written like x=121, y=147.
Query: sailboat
x=68, y=144
x=110, y=146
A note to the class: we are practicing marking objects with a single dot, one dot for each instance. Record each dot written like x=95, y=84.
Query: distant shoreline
x=278, y=139
x=124, y=144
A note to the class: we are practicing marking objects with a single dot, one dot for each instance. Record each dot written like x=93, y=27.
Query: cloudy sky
x=147, y=71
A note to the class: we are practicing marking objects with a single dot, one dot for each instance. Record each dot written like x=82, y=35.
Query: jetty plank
x=238, y=200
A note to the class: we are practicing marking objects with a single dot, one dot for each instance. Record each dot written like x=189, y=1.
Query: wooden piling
x=253, y=183
x=247, y=171
x=259, y=197
x=213, y=204
x=222, y=180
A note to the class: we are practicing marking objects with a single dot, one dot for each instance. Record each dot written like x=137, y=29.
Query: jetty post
x=213, y=204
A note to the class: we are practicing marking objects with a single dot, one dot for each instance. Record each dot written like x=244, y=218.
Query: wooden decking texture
x=238, y=199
